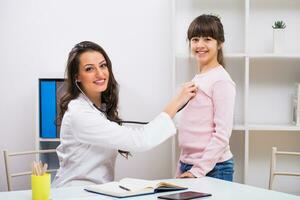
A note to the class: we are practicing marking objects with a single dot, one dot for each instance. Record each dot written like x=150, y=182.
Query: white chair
x=273, y=171
x=10, y=175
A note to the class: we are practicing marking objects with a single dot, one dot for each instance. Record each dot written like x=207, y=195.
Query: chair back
x=8, y=155
x=273, y=171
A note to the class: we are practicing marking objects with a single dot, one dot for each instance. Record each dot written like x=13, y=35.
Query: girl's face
x=93, y=73
x=205, y=50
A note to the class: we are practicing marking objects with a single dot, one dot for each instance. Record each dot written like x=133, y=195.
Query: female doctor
x=91, y=133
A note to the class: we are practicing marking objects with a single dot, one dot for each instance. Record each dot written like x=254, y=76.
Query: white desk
x=220, y=190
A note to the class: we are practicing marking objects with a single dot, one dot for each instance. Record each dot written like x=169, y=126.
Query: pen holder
x=40, y=186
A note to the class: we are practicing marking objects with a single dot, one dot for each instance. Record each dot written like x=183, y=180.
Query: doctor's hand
x=187, y=92
x=187, y=175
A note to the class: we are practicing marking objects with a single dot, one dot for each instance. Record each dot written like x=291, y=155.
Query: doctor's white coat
x=89, y=143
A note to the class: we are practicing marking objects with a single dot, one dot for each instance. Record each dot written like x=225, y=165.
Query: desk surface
x=220, y=190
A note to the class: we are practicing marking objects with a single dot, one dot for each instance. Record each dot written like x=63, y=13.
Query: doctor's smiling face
x=89, y=70
x=93, y=74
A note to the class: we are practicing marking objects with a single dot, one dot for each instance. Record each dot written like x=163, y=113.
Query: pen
x=124, y=188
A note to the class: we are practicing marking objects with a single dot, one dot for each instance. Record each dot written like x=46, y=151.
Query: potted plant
x=278, y=36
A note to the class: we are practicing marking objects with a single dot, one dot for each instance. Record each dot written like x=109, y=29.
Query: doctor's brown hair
x=109, y=97
x=208, y=26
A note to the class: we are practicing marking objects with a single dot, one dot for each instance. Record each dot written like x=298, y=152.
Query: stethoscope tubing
x=121, y=121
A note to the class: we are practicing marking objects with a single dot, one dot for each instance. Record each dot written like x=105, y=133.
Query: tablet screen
x=185, y=195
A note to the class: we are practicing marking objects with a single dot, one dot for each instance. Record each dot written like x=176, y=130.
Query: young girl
x=206, y=122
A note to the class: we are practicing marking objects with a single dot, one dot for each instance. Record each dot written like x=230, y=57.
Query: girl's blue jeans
x=223, y=170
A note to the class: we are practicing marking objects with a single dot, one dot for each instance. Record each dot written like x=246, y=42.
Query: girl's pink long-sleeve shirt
x=206, y=122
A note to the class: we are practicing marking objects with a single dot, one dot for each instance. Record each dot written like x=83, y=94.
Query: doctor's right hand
x=187, y=92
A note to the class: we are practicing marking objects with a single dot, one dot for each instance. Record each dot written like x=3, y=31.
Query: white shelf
x=264, y=80
x=274, y=56
x=234, y=55
x=238, y=127
x=49, y=140
x=273, y=127
x=251, y=56
x=229, y=55
x=266, y=127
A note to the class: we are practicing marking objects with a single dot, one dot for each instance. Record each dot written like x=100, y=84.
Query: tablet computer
x=184, y=195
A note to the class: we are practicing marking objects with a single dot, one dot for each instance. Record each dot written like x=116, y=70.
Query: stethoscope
x=103, y=112
x=134, y=122
x=125, y=154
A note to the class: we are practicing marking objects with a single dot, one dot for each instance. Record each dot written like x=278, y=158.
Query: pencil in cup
x=40, y=182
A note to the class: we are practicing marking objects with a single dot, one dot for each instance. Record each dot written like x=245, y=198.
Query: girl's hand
x=187, y=175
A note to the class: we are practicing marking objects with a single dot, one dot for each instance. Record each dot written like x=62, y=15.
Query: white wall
x=35, y=38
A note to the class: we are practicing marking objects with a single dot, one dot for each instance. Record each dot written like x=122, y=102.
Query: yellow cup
x=40, y=186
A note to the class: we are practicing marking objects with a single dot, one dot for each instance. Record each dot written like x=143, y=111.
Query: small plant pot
x=278, y=40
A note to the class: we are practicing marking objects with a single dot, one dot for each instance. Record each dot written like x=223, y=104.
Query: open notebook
x=132, y=187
